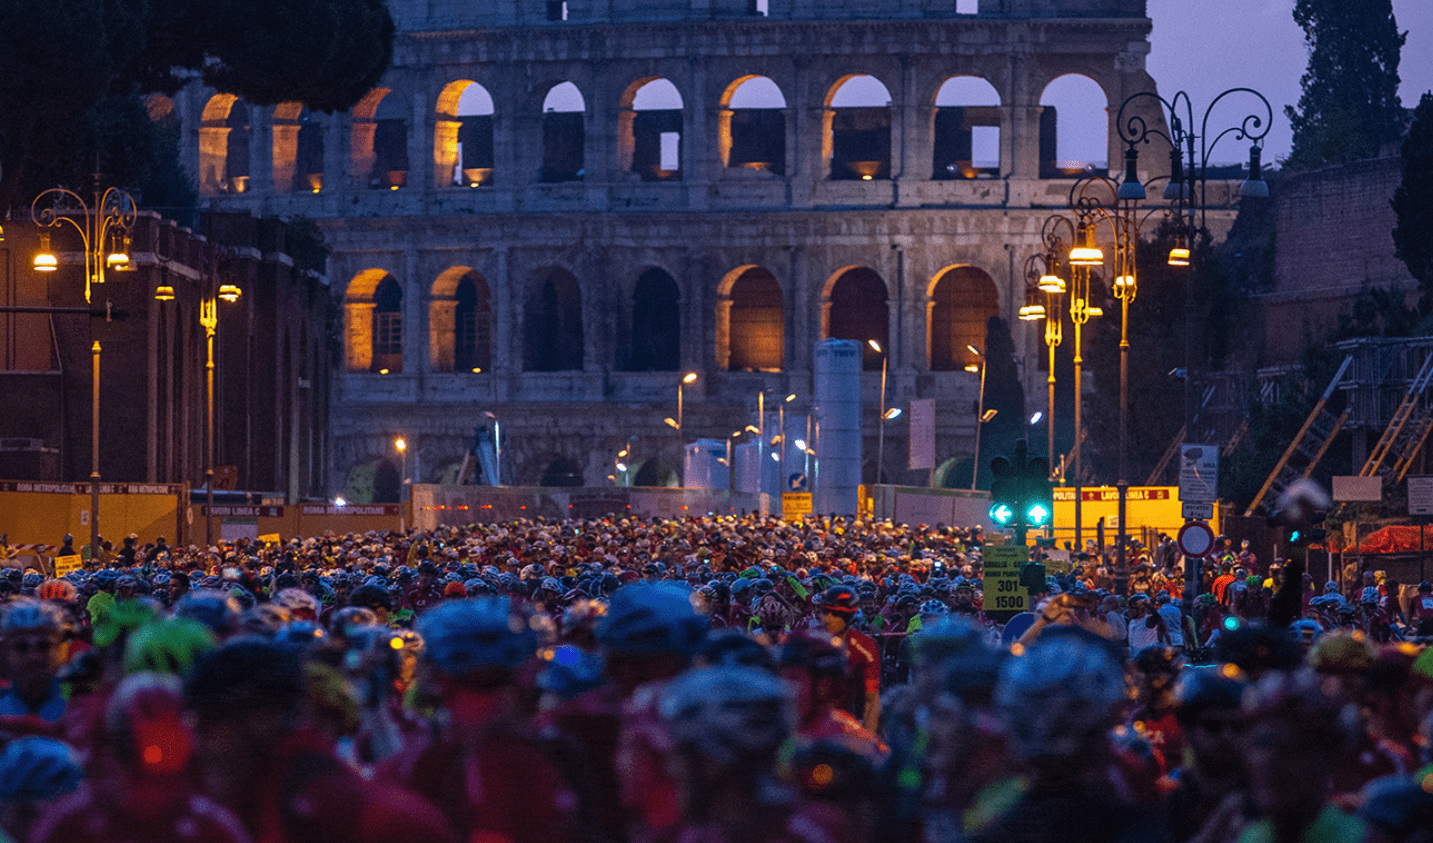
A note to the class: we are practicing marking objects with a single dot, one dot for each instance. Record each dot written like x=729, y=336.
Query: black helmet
x=1425, y=586
x=1203, y=689
x=840, y=600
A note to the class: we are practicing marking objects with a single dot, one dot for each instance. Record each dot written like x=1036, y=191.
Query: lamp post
x=1188, y=181
x=781, y=435
x=209, y=318
x=106, y=224
x=497, y=445
x=979, y=411
x=1186, y=190
x=881, y=429
x=402, y=445
x=689, y=377
x=1042, y=272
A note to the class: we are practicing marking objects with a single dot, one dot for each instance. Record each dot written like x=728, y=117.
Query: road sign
x=1195, y=539
x=1199, y=473
x=1003, y=591
x=1420, y=494
x=796, y=482
x=1358, y=489
x=795, y=505
x=1197, y=511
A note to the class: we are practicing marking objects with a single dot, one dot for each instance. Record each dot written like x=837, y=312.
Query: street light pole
x=979, y=414
x=1186, y=189
x=107, y=223
x=881, y=429
x=689, y=377
x=402, y=445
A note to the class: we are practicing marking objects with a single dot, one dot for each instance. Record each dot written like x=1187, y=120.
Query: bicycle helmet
x=31, y=616
x=144, y=723
x=1369, y=595
x=732, y=717
x=467, y=636
x=770, y=613
x=650, y=619
x=840, y=600
x=933, y=608
x=37, y=769
x=1202, y=689
x=168, y=646
x=299, y=603
x=215, y=609
x=1342, y=653
x=815, y=652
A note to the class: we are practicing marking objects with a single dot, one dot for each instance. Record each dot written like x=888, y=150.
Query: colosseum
x=551, y=212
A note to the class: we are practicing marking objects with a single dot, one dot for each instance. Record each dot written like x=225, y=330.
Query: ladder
x=1406, y=432
x=1311, y=443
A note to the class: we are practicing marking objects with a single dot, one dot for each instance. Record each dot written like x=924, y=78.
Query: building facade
x=550, y=211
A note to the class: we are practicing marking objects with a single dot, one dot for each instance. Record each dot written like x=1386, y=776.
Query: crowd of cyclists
x=706, y=680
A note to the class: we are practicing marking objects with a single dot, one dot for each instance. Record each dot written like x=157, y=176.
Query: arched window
x=379, y=140
x=224, y=146
x=751, y=320
x=463, y=136
x=650, y=130
x=563, y=135
x=1074, y=128
x=552, y=339
x=966, y=130
x=298, y=150
x=962, y=300
x=388, y=327
x=655, y=344
x=855, y=308
x=753, y=125
x=857, y=131
x=473, y=326
x=361, y=321
x=460, y=323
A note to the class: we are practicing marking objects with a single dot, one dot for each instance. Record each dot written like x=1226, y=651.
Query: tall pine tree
x=1349, y=108
x=1413, y=201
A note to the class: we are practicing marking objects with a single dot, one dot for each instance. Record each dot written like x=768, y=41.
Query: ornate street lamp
x=104, y=230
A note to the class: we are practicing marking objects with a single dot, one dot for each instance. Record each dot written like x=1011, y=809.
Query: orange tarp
x=1396, y=539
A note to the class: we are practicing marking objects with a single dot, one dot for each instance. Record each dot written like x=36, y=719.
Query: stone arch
x=460, y=322
x=224, y=146
x=562, y=471
x=649, y=130
x=856, y=129
x=965, y=129
x=1079, y=142
x=463, y=136
x=552, y=322
x=564, y=134
x=854, y=307
x=360, y=309
x=750, y=321
x=752, y=126
x=654, y=343
x=959, y=301
x=297, y=149
x=379, y=140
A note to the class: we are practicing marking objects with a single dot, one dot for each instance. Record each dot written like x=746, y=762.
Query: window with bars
x=387, y=333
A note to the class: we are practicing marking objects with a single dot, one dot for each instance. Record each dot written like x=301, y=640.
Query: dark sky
x=1206, y=46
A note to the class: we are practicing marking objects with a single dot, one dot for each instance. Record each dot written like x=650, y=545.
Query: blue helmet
x=464, y=636
x=651, y=619
x=38, y=769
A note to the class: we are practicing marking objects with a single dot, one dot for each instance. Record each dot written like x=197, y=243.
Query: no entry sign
x=1195, y=539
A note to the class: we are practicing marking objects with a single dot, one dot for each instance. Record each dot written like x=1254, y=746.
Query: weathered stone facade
x=525, y=286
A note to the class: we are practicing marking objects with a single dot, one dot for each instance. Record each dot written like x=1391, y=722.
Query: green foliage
x=72, y=72
x=1349, y=108
x=305, y=244
x=1413, y=201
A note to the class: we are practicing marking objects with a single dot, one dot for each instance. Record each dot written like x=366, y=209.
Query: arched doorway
x=552, y=336
x=656, y=324
x=962, y=300
x=855, y=309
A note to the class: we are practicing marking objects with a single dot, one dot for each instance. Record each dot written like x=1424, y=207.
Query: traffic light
x=1021, y=495
x=1004, y=493
x=1039, y=494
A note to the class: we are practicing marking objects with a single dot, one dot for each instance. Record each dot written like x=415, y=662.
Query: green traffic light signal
x=1001, y=513
x=1037, y=515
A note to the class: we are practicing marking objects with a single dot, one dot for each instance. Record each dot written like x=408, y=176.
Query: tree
x=1349, y=108
x=1413, y=204
x=72, y=73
